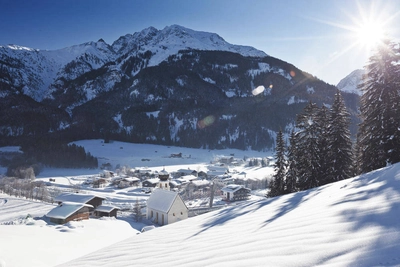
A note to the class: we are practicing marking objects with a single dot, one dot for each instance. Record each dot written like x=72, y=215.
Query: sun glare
x=370, y=34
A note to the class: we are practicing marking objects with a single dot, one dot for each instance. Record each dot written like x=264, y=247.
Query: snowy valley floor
x=355, y=222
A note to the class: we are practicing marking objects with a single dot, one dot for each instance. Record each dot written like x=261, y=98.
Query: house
x=128, y=182
x=182, y=172
x=166, y=207
x=235, y=192
x=186, y=179
x=106, y=211
x=69, y=211
x=92, y=200
x=100, y=183
x=150, y=182
x=175, y=184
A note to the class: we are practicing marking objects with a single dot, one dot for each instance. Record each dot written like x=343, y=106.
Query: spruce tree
x=340, y=146
x=292, y=158
x=379, y=132
x=277, y=184
x=324, y=165
x=307, y=137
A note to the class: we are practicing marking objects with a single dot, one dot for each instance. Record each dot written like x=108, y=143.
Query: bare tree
x=137, y=211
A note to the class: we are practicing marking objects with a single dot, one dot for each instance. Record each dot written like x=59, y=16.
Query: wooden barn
x=69, y=211
x=150, y=182
x=106, y=211
x=92, y=200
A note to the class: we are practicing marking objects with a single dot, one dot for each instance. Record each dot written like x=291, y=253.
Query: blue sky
x=314, y=35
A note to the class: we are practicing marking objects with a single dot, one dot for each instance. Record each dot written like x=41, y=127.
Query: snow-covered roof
x=153, y=180
x=187, y=178
x=200, y=182
x=232, y=188
x=162, y=200
x=66, y=209
x=186, y=171
x=103, y=208
x=131, y=179
x=144, y=170
x=75, y=197
x=175, y=182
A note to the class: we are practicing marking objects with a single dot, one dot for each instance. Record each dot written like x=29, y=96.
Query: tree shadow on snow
x=375, y=206
x=225, y=215
x=292, y=202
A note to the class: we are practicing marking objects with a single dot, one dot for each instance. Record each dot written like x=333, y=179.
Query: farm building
x=69, y=211
x=128, y=182
x=100, y=183
x=106, y=211
x=235, y=192
x=166, y=207
x=150, y=182
x=92, y=200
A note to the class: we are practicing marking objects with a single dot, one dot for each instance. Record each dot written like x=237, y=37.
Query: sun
x=370, y=33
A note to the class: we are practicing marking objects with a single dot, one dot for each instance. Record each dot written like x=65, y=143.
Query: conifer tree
x=323, y=140
x=292, y=158
x=307, y=137
x=339, y=142
x=277, y=185
x=379, y=132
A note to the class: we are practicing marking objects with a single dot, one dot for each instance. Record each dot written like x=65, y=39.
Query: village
x=153, y=197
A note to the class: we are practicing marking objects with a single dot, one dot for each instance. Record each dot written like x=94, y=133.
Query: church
x=165, y=206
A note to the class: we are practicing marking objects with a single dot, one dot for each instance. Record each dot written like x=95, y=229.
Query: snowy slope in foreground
x=354, y=222
x=25, y=241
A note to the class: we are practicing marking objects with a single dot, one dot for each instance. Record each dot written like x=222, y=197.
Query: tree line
x=320, y=150
x=50, y=153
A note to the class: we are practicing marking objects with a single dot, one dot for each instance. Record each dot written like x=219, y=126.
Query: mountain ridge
x=179, y=75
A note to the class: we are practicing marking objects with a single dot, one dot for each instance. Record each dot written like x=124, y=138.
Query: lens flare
x=207, y=121
x=258, y=90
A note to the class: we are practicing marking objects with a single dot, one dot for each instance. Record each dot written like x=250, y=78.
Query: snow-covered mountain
x=38, y=72
x=156, y=86
x=350, y=82
x=170, y=40
x=32, y=71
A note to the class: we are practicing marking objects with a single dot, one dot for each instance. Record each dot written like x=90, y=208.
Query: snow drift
x=354, y=222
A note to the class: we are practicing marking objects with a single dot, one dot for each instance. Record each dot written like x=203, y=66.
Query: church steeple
x=164, y=180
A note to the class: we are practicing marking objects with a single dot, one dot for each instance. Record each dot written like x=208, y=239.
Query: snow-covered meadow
x=23, y=226
x=355, y=222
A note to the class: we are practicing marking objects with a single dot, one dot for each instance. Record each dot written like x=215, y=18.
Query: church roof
x=163, y=172
x=162, y=200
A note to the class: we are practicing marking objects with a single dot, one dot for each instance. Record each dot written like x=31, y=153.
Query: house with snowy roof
x=106, y=211
x=235, y=192
x=166, y=207
x=92, y=200
x=150, y=182
x=69, y=211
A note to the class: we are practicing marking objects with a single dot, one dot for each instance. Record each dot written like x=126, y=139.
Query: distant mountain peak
x=350, y=83
x=171, y=39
